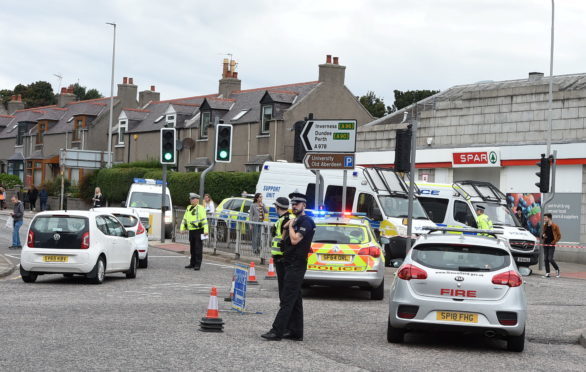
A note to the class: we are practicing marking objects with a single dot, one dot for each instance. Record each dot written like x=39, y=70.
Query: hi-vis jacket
x=195, y=218
x=484, y=222
x=278, y=234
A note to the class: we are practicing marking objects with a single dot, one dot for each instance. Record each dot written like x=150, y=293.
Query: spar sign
x=476, y=158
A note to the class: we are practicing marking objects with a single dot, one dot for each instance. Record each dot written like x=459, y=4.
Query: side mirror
x=384, y=240
x=123, y=204
x=130, y=234
x=146, y=226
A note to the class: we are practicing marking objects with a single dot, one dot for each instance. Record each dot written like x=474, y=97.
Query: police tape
x=562, y=245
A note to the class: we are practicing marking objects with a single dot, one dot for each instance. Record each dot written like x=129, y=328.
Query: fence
x=232, y=234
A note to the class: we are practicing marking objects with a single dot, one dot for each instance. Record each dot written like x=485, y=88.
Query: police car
x=344, y=251
x=458, y=282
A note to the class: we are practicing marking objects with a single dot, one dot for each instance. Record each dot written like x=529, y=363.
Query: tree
x=82, y=94
x=374, y=105
x=38, y=94
x=5, y=96
x=408, y=97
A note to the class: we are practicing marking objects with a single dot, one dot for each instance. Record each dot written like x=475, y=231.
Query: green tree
x=37, y=94
x=93, y=94
x=374, y=105
x=5, y=96
x=408, y=97
x=83, y=94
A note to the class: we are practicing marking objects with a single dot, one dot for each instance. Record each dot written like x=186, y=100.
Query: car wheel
x=516, y=343
x=131, y=273
x=378, y=293
x=394, y=335
x=222, y=232
x=98, y=273
x=28, y=276
x=68, y=275
x=144, y=263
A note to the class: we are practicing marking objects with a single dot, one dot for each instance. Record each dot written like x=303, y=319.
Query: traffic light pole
x=545, y=202
x=163, y=192
x=202, y=178
x=411, y=185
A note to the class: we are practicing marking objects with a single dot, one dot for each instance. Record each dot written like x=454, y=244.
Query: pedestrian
x=98, y=198
x=521, y=216
x=33, y=194
x=279, y=236
x=2, y=198
x=482, y=220
x=209, y=204
x=195, y=220
x=43, y=198
x=289, y=320
x=256, y=214
x=17, y=218
x=550, y=237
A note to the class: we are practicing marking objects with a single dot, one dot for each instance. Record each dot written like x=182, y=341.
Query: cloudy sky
x=178, y=45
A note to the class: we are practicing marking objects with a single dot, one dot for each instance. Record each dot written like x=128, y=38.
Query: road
x=151, y=322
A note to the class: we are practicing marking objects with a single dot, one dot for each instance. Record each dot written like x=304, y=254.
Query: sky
x=179, y=45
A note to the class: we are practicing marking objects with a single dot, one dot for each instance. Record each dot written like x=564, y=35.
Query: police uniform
x=289, y=320
x=277, y=242
x=482, y=220
x=195, y=220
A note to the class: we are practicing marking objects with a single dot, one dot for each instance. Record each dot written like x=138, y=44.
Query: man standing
x=279, y=234
x=482, y=220
x=17, y=216
x=195, y=220
x=521, y=216
x=550, y=237
x=297, y=246
x=33, y=193
x=43, y=198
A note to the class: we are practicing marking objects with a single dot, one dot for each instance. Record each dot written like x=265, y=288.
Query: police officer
x=482, y=220
x=289, y=320
x=195, y=220
x=282, y=206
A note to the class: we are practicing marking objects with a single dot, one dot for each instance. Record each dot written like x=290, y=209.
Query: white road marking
x=13, y=256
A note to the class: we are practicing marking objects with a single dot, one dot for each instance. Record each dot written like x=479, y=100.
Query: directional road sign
x=329, y=136
x=333, y=160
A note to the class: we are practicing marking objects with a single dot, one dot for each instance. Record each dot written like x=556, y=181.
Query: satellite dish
x=188, y=143
x=179, y=145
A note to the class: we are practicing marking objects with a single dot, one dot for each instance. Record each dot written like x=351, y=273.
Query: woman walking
x=257, y=213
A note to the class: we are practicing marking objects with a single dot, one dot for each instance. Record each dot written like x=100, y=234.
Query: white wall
x=523, y=179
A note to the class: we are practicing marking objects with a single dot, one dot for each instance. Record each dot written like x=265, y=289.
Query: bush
x=152, y=163
x=87, y=186
x=116, y=182
x=54, y=186
x=222, y=185
x=9, y=181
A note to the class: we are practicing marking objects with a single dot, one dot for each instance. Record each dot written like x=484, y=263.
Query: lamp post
x=111, y=97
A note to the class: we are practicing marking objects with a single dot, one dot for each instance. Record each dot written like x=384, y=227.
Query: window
x=239, y=115
x=340, y=234
x=122, y=129
x=267, y=116
x=127, y=220
x=236, y=205
x=463, y=214
x=310, y=196
x=102, y=225
x=461, y=258
x=367, y=204
x=114, y=227
x=150, y=200
x=206, y=120
x=159, y=119
x=41, y=129
x=20, y=134
x=333, y=198
x=247, y=204
x=436, y=208
x=170, y=121
x=76, y=133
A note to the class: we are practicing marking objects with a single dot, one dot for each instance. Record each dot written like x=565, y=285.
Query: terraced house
x=263, y=119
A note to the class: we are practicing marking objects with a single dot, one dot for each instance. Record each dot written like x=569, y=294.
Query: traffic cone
x=231, y=295
x=271, y=274
x=212, y=321
x=252, y=275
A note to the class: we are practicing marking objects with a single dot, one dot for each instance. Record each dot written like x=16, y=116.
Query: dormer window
x=170, y=121
x=206, y=120
x=266, y=117
x=41, y=129
x=78, y=125
x=122, y=129
x=20, y=134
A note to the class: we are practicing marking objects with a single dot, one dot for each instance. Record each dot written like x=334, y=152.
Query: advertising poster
x=530, y=206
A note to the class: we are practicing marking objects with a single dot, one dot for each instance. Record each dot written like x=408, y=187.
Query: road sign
x=72, y=158
x=329, y=135
x=240, y=280
x=334, y=160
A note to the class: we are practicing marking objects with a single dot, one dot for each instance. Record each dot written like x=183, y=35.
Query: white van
x=145, y=197
x=377, y=192
x=454, y=205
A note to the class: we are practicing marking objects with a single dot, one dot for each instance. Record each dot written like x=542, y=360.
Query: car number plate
x=55, y=259
x=523, y=259
x=454, y=316
x=336, y=257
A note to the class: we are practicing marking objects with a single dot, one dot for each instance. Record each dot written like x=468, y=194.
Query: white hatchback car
x=90, y=243
x=131, y=221
x=462, y=283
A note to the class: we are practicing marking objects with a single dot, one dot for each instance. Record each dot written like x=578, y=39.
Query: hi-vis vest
x=195, y=218
x=275, y=249
x=484, y=222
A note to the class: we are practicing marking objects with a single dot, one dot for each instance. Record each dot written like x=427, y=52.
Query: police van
x=454, y=205
x=377, y=192
x=145, y=196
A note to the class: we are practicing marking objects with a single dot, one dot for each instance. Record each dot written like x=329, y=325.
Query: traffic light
x=224, y=143
x=403, y=150
x=543, y=174
x=168, y=146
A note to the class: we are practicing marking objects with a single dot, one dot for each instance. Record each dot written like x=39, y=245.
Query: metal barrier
x=232, y=234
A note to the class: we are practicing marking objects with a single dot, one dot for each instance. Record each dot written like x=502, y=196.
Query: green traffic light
x=168, y=156
x=223, y=154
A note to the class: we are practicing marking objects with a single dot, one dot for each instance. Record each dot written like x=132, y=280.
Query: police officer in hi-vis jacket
x=279, y=234
x=195, y=220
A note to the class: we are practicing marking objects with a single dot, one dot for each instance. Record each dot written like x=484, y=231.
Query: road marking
x=166, y=256
x=215, y=264
x=13, y=256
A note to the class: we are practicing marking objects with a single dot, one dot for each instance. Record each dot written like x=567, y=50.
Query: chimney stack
x=65, y=96
x=535, y=76
x=15, y=104
x=147, y=96
x=127, y=93
x=229, y=81
x=332, y=73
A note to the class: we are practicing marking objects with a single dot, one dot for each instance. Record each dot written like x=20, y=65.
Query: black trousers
x=280, y=269
x=548, y=251
x=290, y=315
x=195, y=247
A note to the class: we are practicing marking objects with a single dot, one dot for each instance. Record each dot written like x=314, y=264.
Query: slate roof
x=5, y=120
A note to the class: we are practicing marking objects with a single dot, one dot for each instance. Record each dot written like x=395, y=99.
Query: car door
x=107, y=243
x=122, y=252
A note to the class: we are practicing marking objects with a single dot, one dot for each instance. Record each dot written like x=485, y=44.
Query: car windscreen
x=126, y=219
x=150, y=200
x=59, y=231
x=499, y=214
x=340, y=234
x=397, y=206
x=435, y=207
x=460, y=257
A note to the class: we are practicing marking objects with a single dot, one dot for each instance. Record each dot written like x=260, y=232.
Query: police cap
x=193, y=195
x=480, y=207
x=282, y=202
x=297, y=197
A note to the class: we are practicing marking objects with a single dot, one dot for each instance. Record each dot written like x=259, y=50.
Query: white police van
x=145, y=197
x=453, y=205
x=377, y=192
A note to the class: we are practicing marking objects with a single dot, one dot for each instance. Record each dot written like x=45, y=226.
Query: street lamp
x=111, y=97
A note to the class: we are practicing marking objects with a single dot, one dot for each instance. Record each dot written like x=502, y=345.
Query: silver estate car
x=459, y=282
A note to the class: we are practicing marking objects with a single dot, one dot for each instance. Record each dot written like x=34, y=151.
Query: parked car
x=228, y=212
x=88, y=243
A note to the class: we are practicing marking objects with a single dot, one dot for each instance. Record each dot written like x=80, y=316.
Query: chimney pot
x=19, y=98
x=13, y=98
x=328, y=58
x=335, y=60
x=152, y=88
x=63, y=90
x=130, y=80
x=235, y=74
x=125, y=80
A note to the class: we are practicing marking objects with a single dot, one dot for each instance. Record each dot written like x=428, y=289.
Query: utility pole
x=111, y=97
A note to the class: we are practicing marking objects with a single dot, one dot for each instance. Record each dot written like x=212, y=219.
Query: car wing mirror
x=384, y=240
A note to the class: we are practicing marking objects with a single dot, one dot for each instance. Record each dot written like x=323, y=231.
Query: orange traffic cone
x=231, y=295
x=212, y=321
x=252, y=275
x=271, y=274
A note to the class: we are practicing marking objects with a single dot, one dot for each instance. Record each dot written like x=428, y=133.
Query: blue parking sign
x=349, y=161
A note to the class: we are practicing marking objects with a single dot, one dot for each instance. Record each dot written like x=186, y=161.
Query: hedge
x=9, y=181
x=116, y=182
x=151, y=163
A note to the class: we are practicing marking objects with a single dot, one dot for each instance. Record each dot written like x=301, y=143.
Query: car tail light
x=510, y=278
x=369, y=251
x=409, y=272
x=30, y=240
x=85, y=240
x=507, y=318
x=407, y=311
x=140, y=229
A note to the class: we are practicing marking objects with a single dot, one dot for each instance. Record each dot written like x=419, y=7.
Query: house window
x=77, y=126
x=20, y=134
x=206, y=120
x=170, y=121
x=267, y=116
x=122, y=129
x=41, y=129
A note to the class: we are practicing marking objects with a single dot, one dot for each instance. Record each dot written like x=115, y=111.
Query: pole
x=163, y=194
x=62, y=187
x=344, y=182
x=546, y=201
x=316, y=207
x=411, y=185
x=111, y=98
x=202, y=178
